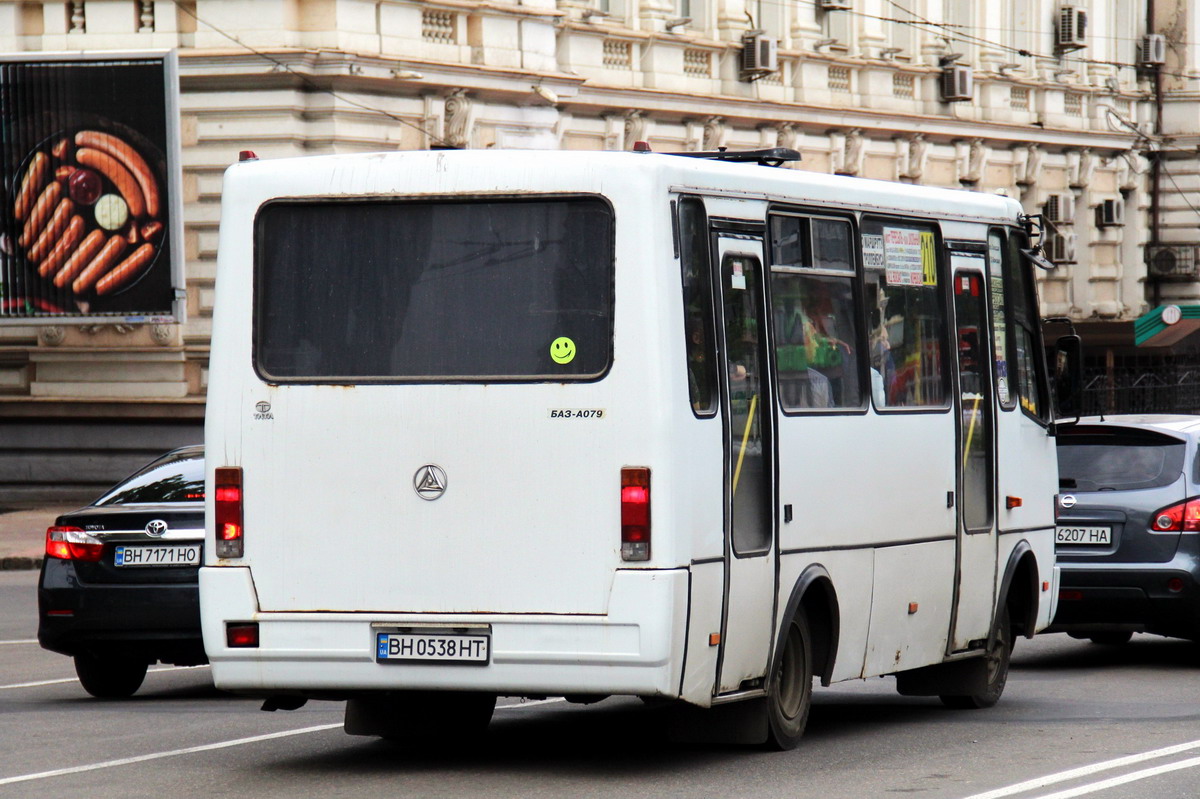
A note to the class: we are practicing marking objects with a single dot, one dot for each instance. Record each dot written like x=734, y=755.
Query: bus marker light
x=1070, y=595
x=1175, y=585
x=714, y=639
x=912, y=608
x=1013, y=502
x=1045, y=585
x=241, y=634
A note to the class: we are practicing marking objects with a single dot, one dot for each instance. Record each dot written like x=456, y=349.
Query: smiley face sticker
x=562, y=350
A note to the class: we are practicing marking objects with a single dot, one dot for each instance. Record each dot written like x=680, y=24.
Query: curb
x=20, y=564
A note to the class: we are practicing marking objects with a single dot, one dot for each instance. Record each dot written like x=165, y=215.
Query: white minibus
x=587, y=424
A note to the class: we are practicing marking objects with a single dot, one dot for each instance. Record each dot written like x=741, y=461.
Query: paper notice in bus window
x=738, y=279
x=928, y=258
x=873, y=254
x=902, y=254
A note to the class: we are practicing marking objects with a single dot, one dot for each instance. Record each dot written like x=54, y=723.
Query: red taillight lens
x=635, y=514
x=241, y=634
x=1182, y=517
x=227, y=492
x=72, y=543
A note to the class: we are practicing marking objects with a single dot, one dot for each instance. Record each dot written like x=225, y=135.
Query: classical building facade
x=1086, y=111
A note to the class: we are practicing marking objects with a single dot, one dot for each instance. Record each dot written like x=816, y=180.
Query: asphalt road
x=1070, y=710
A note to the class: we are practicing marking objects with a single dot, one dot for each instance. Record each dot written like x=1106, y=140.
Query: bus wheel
x=998, y=656
x=789, y=695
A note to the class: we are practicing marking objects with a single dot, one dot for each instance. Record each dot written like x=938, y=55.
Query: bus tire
x=998, y=656
x=789, y=695
x=110, y=677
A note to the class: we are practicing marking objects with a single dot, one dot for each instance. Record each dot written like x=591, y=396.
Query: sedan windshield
x=176, y=477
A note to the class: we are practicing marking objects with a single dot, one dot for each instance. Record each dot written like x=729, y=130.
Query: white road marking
x=205, y=747
x=19, y=641
x=1133, y=776
x=76, y=679
x=1085, y=771
x=160, y=755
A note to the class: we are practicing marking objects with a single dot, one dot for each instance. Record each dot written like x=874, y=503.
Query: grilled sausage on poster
x=84, y=202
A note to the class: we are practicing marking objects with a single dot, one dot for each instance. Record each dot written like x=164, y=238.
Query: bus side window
x=906, y=314
x=816, y=326
x=697, y=307
x=1021, y=300
x=997, y=280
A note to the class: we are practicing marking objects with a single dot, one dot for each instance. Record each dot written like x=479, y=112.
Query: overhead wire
x=309, y=82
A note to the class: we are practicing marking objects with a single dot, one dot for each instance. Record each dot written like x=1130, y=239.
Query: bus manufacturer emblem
x=429, y=482
x=1067, y=500
x=156, y=528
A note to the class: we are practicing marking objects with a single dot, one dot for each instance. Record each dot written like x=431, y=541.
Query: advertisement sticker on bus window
x=903, y=253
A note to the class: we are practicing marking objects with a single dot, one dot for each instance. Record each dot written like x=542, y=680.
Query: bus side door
x=975, y=591
x=748, y=409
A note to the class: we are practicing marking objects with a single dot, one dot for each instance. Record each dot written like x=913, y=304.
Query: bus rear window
x=480, y=290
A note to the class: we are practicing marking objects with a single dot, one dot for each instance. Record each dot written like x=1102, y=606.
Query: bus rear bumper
x=636, y=648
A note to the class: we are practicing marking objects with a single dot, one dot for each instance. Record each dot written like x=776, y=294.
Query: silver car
x=1128, y=537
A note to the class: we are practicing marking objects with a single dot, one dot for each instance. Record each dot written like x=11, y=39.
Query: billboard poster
x=90, y=222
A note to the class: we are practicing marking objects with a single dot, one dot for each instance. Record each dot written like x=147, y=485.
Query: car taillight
x=1181, y=517
x=72, y=543
x=227, y=492
x=635, y=514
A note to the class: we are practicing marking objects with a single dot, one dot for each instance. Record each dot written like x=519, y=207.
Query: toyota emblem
x=429, y=482
x=156, y=528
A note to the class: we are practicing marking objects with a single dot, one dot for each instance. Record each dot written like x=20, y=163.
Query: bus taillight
x=228, y=494
x=635, y=514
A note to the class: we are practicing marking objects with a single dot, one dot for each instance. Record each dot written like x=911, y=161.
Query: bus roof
x=373, y=174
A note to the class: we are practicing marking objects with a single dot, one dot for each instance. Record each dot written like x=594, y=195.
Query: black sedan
x=1128, y=538
x=118, y=589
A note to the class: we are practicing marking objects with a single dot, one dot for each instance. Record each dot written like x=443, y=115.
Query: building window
x=438, y=26
x=697, y=63
x=903, y=86
x=839, y=79
x=618, y=54
x=1018, y=98
x=1073, y=104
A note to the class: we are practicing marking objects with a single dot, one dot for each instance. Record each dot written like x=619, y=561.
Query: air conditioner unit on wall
x=1059, y=209
x=1060, y=247
x=836, y=5
x=958, y=83
x=1173, y=263
x=1153, y=50
x=1071, y=32
x=760, y=55
x=1110, y=213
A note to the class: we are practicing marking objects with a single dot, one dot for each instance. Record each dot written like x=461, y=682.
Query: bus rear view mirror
x=1068, y=377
